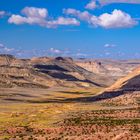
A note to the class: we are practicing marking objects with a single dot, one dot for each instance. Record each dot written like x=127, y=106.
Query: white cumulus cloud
x=62, y=21
x=99, y=3
x=85, y=16
x=91, y=5
x=39, y=16
x=35, y=12
x=105, y=2
x=32, y=16
x=116, y=19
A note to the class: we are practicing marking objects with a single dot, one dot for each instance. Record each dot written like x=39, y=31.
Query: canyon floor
x=65, y=114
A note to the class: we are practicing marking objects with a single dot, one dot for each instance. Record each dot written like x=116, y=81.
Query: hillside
x=46, y=72
x=107, y=67
x=131, y=82
x=125, y=91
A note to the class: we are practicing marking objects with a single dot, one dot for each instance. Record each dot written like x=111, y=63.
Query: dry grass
x=32, y=116
x=16, y=109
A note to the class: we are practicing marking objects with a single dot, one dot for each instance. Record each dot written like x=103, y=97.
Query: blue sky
x=92, y=29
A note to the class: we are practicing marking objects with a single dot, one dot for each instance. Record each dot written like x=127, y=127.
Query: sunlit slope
x=46, y=72
x=129, y=82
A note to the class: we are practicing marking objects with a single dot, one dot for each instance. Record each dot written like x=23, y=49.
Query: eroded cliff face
x=45, y=72
x=60, y=71
x=6, y=59
x=92, y=66
x=111, y=68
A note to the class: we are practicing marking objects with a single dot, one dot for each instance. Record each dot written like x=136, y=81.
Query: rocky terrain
x=60, y=98
x=46, y=72
x=125, y=91
x=112, y=68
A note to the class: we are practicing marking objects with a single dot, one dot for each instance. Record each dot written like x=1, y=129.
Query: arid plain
x=64, y=99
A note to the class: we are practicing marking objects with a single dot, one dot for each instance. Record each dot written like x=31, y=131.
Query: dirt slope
x=126, y=91
x=131, y=82
x=46, y=72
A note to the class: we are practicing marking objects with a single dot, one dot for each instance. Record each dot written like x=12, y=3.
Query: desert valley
x=60, y=98
x=70, y=70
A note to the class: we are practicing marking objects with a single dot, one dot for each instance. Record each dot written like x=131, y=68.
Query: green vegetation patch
x=100, y=121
